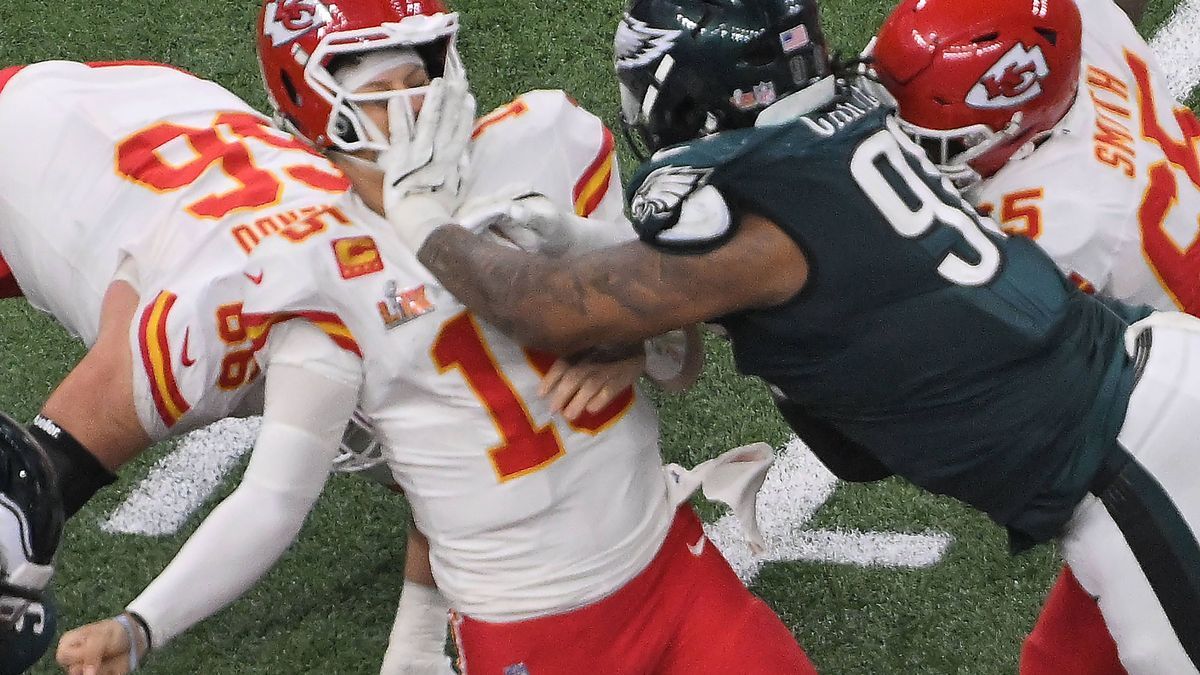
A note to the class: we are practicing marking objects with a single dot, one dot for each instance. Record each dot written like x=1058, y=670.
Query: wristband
x=131, y=633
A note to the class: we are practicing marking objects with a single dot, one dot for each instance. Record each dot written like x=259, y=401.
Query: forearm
x=311, y=390
x=416, y=643
x=619, y=295
x=416, y=558
x=510, y=289
x=231, y=550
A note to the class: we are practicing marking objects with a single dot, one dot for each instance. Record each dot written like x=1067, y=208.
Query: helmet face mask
x=299, y=71
x=979, y=84
x=688, y=68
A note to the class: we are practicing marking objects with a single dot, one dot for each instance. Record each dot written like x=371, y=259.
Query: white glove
x=734, y=479
x=532, y=222
x=529, y=221
x=423, y=178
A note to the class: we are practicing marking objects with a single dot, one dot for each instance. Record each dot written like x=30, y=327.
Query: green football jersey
x=961, y=358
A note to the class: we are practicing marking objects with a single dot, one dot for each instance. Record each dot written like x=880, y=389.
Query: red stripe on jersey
x=114, y=64
x=592, y=185
x=258, y=327
x=156, y=359
x=8, y=284
x=7, y=74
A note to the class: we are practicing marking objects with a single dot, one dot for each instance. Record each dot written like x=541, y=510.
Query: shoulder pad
x=676, y=208
x=531, y=114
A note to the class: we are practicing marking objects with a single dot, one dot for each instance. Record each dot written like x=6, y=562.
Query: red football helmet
x=975, y=81
x=298, y=40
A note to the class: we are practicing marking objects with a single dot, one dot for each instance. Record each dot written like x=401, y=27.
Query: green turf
x=327, y=608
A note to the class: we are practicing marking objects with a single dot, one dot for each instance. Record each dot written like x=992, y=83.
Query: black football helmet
x=25, y=640
x=31, y=522
x=688, y=68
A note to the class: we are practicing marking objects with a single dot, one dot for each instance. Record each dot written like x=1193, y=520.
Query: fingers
x=567, y=383
x=456, y=111
x=593, y=388
x=95, y=649
x=551, y=378
x=586, y=386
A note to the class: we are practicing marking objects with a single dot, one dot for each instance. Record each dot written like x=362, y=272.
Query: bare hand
x=574, y=388
x=100, y=648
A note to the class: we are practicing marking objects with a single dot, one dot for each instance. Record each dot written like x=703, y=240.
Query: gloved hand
x=532, y=222
x=423, y=177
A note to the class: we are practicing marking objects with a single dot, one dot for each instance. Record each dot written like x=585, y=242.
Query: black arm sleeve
x=847, y=460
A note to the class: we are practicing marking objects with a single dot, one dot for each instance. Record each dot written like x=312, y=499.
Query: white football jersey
x=176, y=181
x=1113, y=196
x=226, y=227
x=526, y=513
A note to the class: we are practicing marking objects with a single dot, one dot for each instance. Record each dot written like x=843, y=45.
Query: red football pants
x=1070, y=637
x=683, y=614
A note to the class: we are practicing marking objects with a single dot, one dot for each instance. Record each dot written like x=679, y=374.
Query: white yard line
x=797, y=487
x=1178, y=48
x=180, y=482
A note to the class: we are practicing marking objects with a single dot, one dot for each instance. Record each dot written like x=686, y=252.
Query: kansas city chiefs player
x=558, y=541
x=1056, y=120
x=148, y=264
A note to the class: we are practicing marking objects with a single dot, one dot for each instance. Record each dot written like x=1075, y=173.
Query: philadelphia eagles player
x=787, y=206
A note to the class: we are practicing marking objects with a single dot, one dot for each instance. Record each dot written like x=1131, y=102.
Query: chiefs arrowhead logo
x=1013, y=80
x=287, y=20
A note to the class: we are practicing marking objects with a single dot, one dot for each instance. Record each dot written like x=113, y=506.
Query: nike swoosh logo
x=255, y=279
x=698, y=547
x=183, y=356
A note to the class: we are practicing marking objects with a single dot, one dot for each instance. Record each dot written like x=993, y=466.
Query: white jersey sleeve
x=1113, y=196
x=543, y=141
x=306, y=410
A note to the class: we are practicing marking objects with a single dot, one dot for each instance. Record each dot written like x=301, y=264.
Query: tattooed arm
x=621, y=294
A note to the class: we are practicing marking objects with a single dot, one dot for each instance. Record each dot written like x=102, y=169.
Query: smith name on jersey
x=1113, y=194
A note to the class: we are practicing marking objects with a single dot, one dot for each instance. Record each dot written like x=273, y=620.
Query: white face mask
x=377, y=49
x=368, y=68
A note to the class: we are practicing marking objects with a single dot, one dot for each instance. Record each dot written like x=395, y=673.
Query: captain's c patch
x=357, y=256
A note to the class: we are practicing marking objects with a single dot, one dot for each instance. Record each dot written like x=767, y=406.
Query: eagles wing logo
x=659, y=196
x=287, y=20
x=1014, y=79
x=637, y=44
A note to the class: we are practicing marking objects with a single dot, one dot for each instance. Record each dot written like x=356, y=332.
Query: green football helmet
x=688, y=68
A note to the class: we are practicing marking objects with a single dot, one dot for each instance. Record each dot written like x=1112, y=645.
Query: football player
x=1059, y=124
x=145, y=218
x=850, y=275
x=502, y=488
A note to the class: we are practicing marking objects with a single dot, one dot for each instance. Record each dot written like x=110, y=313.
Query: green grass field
x=327, y=608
